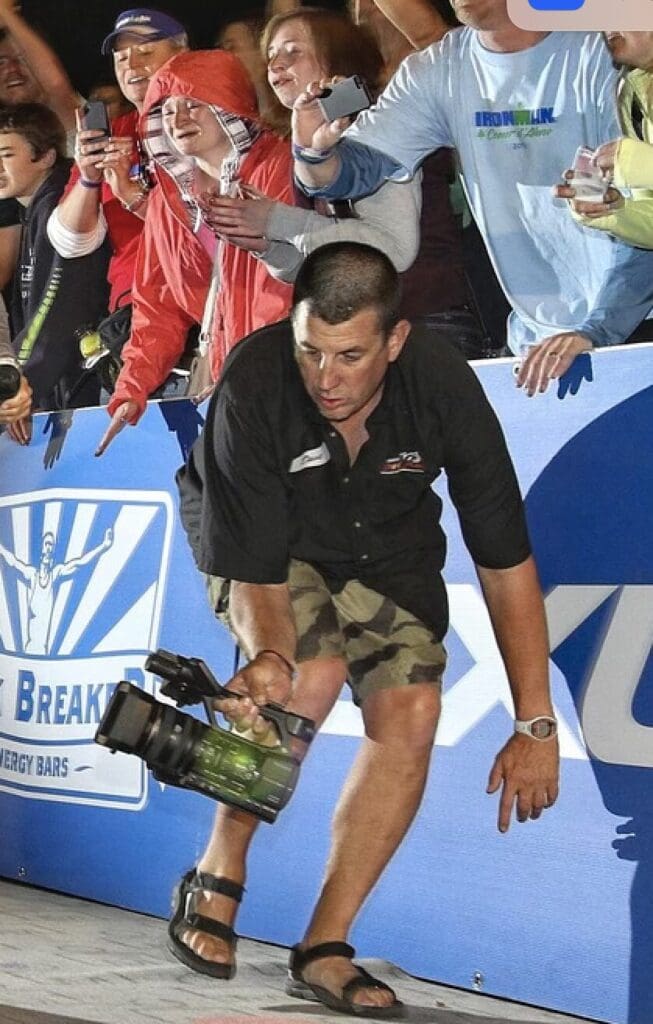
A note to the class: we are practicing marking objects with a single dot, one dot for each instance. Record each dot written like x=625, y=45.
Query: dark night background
x=75, y=28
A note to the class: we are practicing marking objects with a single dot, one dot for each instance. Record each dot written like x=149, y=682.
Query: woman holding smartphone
x=300, y=47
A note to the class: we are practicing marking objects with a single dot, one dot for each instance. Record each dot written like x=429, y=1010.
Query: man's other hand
x=124, y=414
x=526, y=771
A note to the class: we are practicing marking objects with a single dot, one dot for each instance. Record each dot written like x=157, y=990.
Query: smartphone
x=345, y=98
x=94, y=117
x=587, y=182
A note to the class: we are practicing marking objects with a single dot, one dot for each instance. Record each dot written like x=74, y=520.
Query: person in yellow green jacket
x=626, y=163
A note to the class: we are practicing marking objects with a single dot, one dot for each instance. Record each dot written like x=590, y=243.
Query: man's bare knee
x=406, y=714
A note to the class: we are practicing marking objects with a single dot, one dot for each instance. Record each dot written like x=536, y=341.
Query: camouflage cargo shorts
x=383, y=645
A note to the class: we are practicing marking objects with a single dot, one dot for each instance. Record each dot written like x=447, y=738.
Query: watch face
x=543, y=728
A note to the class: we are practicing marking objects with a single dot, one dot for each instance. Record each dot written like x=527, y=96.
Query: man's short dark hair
x=38, y=125
x=342, y=279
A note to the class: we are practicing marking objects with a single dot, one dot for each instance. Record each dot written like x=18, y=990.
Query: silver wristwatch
x=544, y=727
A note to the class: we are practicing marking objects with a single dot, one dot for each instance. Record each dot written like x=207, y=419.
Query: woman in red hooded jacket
x=201, y=128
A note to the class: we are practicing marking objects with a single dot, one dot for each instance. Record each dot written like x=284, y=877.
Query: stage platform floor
x=67, y=961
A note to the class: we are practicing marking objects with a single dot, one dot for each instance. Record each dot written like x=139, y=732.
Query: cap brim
x=151, y=37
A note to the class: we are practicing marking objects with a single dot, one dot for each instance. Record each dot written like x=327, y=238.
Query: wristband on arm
x=308, y=155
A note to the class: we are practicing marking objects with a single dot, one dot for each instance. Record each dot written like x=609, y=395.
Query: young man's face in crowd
x=343, y=366
x=632, y=48
x=20, y=173
x=484, y=15
x=135, y=59
x=17, y=83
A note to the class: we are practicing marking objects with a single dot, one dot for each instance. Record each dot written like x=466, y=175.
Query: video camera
x=182, y=751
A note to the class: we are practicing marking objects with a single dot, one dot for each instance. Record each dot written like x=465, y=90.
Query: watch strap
x=528, y=727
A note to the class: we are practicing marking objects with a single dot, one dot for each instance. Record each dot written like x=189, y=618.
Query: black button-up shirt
x=270, y=478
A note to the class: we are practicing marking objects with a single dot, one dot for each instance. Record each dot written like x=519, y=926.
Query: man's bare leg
x=380, y=799
x=318, y=686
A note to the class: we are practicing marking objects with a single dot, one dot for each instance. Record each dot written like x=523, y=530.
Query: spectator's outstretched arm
x=77, y=226
x=158, y=336
x=314, y=140
x=388, y=220
x=417, y=20
x=44, y=64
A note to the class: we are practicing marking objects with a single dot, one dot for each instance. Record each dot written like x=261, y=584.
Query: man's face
x=632, y=48
x=20, y=173
x=17, y=83
x=484, y=15
x=343, y=366
x=136, y=59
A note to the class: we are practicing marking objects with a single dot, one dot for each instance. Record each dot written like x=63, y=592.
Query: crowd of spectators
x=220, y=174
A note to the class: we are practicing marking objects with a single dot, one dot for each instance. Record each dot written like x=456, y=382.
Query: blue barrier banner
x=96, y=571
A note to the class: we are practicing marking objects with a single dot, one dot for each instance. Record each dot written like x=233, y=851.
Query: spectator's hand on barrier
x=309, y=127
x=20, y=431
x=549, y=360
x=526, y=771
x=202, y=395
x=15, y=409
x=121, y=417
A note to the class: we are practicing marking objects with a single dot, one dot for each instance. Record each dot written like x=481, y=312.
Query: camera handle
x=190, y=681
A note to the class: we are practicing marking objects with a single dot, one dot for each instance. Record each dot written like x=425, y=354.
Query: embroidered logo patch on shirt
x=313, y=457
x=405, y=462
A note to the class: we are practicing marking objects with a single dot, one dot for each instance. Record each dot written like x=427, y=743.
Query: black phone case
x=95, y=117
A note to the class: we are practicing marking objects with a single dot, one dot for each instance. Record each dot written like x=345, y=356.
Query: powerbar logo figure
x=81, y=592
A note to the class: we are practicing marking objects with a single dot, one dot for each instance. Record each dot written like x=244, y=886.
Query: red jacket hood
x=212, y=76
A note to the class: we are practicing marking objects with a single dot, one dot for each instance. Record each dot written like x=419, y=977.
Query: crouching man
x=308, y=504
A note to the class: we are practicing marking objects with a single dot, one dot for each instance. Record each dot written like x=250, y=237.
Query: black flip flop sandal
x=298, y=987
x=184, y=917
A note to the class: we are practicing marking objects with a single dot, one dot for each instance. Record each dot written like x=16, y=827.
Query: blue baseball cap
x=157, y=24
